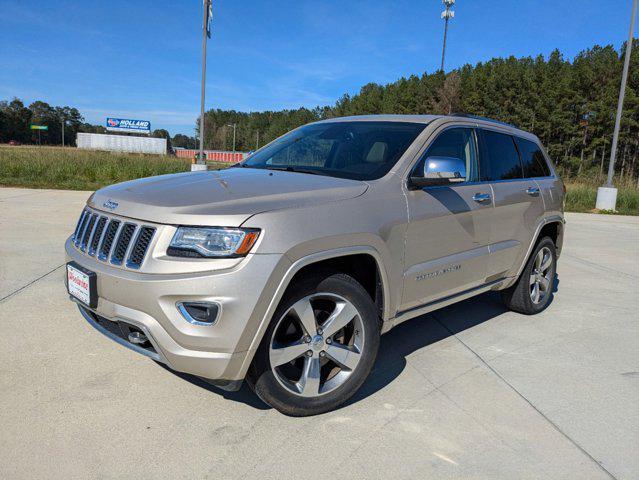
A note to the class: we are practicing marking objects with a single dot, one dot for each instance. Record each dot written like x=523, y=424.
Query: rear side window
x=532, y=159
x=499, y=160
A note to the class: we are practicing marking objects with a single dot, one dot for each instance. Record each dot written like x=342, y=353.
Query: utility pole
x=234, y=125
x=257, y=140
x=206, y=34
x=607, y=195
x=63, y=122
x=446, y=15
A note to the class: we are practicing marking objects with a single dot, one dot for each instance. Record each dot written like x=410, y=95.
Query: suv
x=285, y=269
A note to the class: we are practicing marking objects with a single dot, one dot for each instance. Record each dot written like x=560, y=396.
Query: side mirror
x=440, y=171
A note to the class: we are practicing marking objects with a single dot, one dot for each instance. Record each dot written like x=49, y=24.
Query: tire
x=533, y=290
x=301, y=372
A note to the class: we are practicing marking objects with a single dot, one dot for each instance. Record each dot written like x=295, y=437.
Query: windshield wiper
x=296, y=170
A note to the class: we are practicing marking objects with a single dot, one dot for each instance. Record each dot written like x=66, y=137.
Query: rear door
x=447, y=236
x=518, y=204
x=537, y=167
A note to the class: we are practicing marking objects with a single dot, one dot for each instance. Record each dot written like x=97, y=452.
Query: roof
x=462, y=117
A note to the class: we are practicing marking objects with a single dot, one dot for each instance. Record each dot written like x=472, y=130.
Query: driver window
x=456, y=143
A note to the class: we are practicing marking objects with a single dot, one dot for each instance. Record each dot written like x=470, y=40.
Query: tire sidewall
x=262, y=379
x=538, y=307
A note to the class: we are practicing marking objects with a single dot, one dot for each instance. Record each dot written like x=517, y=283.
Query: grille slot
x=109, y=236
x=97, y=235
x=83, y=223
x=79, y=225
x=121, y=246
x=87, y=232
x=142, y=242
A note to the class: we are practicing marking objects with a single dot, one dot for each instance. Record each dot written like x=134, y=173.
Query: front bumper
x=149, y=303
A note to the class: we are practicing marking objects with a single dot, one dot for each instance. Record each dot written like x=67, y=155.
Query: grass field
x=73, y=169
x=581, y=197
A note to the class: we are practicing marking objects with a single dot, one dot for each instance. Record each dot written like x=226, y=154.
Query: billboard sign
x=126, y=125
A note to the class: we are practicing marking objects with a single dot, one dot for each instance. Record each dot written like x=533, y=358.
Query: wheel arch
x=320, y=260
x=553, y=227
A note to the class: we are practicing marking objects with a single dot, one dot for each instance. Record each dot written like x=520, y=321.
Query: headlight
x=212, y=242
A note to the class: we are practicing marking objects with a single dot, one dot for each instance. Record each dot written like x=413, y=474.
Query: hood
x=221, y=198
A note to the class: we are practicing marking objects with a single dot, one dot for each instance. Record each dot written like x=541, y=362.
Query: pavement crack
x=523, y=397
x=15, y=292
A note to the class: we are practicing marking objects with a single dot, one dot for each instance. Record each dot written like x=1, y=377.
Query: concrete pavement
x=470, y=391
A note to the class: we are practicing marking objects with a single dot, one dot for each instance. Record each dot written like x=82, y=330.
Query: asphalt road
x=471, y=391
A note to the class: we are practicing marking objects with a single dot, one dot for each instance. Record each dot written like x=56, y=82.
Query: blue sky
x=141, y=59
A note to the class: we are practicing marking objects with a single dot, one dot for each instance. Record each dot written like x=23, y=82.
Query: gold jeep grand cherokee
x=285, y=269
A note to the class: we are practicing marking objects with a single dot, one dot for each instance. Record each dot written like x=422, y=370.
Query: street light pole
x=63, y=122
x=257, y=140
x=607, y=195
x=206, y=33
x=446, y=15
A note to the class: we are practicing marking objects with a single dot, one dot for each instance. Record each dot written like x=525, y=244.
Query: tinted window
x=500, y=160
x=456, y=143
x=532, y=159
x=357, y=150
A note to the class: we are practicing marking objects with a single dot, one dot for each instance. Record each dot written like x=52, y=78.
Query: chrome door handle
x=534, y=191
x=481, y=197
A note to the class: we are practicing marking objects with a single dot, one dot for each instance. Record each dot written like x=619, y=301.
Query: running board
x=441, y=303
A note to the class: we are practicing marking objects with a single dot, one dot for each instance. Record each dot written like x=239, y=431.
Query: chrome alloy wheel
x=317, y=344
x=541, y=276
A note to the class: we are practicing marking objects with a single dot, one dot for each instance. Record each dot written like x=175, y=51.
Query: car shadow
x=395, y=346
x=426, y=330
x=243, y=395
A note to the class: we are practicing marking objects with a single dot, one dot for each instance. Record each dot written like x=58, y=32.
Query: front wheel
x=533, y=290
x=319, y=348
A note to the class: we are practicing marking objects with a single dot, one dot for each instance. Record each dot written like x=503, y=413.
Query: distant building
x=121, y=143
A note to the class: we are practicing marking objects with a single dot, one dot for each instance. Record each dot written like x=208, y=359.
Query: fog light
x=199, y=313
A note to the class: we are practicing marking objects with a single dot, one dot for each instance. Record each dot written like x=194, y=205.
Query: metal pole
x=444, y=46
x=622, y=92
x=205, y=4
x=234, y=126
x=63, y=133
x=257, y=140
x=446, y=15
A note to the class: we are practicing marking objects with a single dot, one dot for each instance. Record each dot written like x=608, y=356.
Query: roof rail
x=478, y=117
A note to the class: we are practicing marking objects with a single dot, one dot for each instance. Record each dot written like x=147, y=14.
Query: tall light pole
x=234, y=125
x=446, y=15
x=607, y=195
x=206, y=34
x=257, y=140
x=64, y=120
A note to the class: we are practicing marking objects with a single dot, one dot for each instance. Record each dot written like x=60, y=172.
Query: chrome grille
x=110, y=239
x=107, y=242
x=87, y=232
x=121, y=246
x=145, y=235
x=97, y=236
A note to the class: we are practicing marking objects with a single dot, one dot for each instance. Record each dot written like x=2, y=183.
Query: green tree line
x=569, y=104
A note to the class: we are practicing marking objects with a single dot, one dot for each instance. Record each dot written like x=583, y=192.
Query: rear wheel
x=319, y=347
x=533, y=290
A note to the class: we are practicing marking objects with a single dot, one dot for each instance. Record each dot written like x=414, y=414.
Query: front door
x=448, y=230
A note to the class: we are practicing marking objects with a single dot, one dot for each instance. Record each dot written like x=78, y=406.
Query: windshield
x=355, y=150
